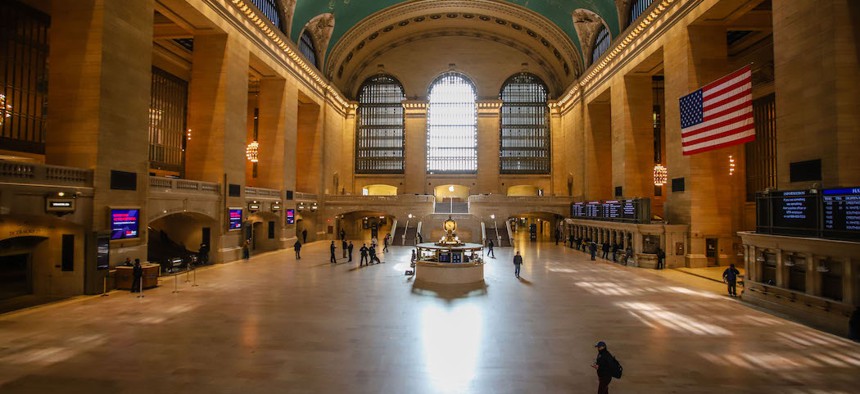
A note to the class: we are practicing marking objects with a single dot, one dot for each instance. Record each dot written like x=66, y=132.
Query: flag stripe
x=706, y=148
x=716, y=122
x=739, y=127
x=718, y=115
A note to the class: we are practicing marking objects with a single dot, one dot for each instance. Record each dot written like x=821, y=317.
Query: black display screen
x=577, y=210
x=794, y=213
x=593, y=210
x=612, y=210
x=628, y=209
x=124, y=223
x=841, y=213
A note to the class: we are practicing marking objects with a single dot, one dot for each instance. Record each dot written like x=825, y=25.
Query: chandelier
x=660, y=175
x=5, y=109
x=252, y=150
x=731, y=165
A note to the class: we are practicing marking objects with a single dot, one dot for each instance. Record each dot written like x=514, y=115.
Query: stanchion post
x=175, y=283
x=104, y=286
x=188, y=273
x=141, y=287
x=195, y=278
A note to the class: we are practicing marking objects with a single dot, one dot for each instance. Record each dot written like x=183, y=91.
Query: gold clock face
x=450, y=225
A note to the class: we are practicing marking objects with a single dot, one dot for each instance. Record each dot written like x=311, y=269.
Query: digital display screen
x=794, y=213
x=628, y=209
x=592, y=209
x=841, y=211
x=577, y=210
x=103, y=252
x=235, y=218
x=291, y=216
x=612, y=209
x=124, y=223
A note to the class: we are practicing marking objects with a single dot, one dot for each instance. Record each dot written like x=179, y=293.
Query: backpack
x=617, y=369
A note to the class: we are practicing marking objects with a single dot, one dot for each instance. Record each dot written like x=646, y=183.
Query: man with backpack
x=730, y=276
x=607, y=368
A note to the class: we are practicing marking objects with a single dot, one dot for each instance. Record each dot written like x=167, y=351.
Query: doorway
x=711, y=251
x=15, y=276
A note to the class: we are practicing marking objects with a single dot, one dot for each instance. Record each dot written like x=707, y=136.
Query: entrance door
x=207, y=233
x=711, y=251
x=15, y=276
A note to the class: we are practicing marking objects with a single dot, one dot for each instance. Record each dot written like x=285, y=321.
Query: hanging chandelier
x=660, y=175
x=252, y=150
x=731, y=165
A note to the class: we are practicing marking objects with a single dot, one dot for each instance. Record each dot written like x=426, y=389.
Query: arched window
x=601, y=43
x=379, y=135
x=637, y=8
x=524, y=137
x=308, y=49
x=452, y=126
x=270, y=9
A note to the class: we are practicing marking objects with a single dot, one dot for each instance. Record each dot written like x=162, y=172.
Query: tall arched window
x=525, y=143
x=271, y=10
x=637, y=8
x=379, y=135
x=601, y=43
x=308, y=48
x=452, y=126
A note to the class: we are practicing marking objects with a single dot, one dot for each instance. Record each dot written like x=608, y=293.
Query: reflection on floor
x=275, y=324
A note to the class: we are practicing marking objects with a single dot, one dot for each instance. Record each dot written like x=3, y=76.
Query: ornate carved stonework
x=586, y=24
x=320, y=28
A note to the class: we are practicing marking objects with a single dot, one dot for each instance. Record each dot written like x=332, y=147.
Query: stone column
x=849, y=282
x=488, y=146
x=100, y=81
x=633, y=135
x=598, y=151
x=415, y=176
x=813, y=277
x=781, y=277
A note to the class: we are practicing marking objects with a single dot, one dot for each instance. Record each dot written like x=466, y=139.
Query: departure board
x=794, y=213
x=593, y=210
x=612, y=210
x=577, y=210
x=841, y=213
x=628, y=209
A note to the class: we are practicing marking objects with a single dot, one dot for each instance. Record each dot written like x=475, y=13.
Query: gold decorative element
x=252, y=151
x=660, y=175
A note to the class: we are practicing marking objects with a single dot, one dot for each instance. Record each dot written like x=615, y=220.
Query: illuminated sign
x=291, y=216
x=235, y=218
x=60, y=205
x=124, y=223
x=276, y=206
x=254, y=207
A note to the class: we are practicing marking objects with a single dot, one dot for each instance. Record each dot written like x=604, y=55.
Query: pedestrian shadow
x=525, y=281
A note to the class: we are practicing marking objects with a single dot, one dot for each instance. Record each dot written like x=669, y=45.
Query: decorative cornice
x=289, y=56
x=624, y=49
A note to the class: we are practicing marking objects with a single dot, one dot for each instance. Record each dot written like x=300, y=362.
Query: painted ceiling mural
x=348, y=13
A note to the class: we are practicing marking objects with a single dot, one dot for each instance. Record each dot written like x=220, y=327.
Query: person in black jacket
x=333, y=259
x=349, y=248
x=364, y=250
x=298, y=248
x=730, y=276
x=518, y=261
x=603, y=364
x=137, y=273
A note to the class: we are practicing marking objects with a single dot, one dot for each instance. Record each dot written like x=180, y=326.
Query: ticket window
x=711, y=251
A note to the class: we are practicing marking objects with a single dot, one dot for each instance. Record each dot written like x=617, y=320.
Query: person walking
x=349, y=248
x=412, y=259
x=604, y=364
x=342, y=235
x=615, y=248
x=490, y=249
x=333, y=259
x=385, y=242
x=298, y=248
x=593, y=248
x=518, y=261
x=372, y=253
x=344, y=246
x=304, y=236
x=605, y=249
x=137, y=274
x=246, y=249
x=730, y=276
x=661, y=257
x=363, y=250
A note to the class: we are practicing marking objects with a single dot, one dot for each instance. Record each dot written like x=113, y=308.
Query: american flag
x=719, y=114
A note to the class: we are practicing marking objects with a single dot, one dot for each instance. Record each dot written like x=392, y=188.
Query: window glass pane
x=270, y=9
x=379, y=133
x=637, y=8
x=525, y=139
x=452, y=132
x=167, y=121
x=308, y=49
x=601, y=44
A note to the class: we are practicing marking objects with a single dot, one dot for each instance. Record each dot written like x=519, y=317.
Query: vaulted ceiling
x=349, y=13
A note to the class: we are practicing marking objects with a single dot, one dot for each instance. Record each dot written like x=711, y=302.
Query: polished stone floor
x=277, y=325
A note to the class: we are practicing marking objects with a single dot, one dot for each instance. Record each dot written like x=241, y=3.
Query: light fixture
x=660, y=175
x=731, y=165
x=252, y=150
x=451, y=188
x=822, y=267
x=760, y=258
x=188, y=134
x=5, y=109
x=789, y=261
x=410, y=216
x=314, y=207
x=493, y=217
x=61, y=194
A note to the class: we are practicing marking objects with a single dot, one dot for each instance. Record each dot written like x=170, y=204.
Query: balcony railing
x=183, y=185
x=45, y=174
x=262, y=192
x=305, y=196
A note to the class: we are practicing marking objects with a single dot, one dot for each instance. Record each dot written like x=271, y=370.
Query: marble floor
x=277, y=325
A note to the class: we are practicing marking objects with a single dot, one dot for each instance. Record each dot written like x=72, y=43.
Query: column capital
x=489, y=108
x=415, y=108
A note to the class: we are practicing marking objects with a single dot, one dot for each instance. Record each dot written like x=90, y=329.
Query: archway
x=379, y=190
x=363, y=226
x=265, y=232
x=185, y=235
x=524, y=191
x=451, y=198
x=537, y=226
x=16, y=265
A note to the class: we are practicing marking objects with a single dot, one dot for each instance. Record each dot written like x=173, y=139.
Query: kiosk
x=450, y=261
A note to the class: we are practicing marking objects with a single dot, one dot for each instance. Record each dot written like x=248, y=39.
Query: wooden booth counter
x=125, y=276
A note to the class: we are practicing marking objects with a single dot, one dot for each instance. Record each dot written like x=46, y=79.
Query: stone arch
x=587, y=23
x=320, y=28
